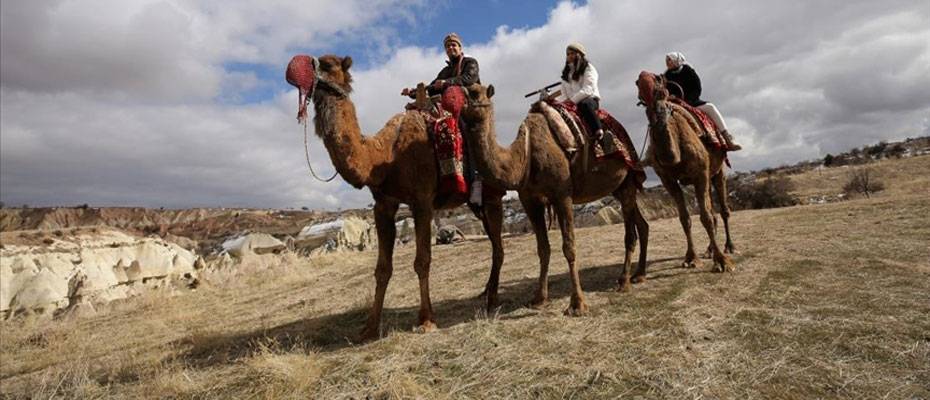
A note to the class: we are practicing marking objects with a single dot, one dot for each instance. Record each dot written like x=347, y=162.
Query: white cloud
x=116, y=103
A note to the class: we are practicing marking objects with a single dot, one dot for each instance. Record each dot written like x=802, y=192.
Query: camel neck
x=500, y=167
x=337, y=124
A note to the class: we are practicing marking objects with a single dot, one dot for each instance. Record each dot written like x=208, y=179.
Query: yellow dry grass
x=829, y=301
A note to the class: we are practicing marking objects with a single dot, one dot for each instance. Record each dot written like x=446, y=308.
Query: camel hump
x=689, y=117
x=559, y=128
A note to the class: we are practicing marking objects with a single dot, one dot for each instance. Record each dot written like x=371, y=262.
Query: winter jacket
x=461, y=72
x=584, y=87
x=688, y=79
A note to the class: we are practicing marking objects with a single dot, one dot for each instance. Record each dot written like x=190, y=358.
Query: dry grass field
x=829, y=301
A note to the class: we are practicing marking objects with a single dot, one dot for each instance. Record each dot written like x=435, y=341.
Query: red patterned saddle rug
x=447, y=141
x=618, y=146
x=710, y=128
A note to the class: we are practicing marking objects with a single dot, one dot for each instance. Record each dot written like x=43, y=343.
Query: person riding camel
x=579, y=85
x=460, y=70
x=684, y=82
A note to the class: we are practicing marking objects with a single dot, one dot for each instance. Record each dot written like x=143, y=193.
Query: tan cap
x=577, y=47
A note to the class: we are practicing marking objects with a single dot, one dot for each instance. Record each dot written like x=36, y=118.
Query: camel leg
x=387, y=231
x=536, y=213
x=422, y=216
x=493, y=224
x=709, y=253
x=563, y=208
x=636, y=227
x=720, y=189
x=674, y=189
x=702, y=192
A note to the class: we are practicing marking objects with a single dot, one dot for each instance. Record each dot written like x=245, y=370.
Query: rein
x=320, y=78
x=307, y=153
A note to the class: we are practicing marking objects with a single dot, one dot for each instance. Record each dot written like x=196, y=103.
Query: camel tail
x=549, y=213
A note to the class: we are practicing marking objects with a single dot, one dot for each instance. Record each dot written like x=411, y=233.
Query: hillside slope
x=829, y=300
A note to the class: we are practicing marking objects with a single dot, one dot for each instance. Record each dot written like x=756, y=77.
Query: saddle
x=709, y=129
x=441, y=113
x=571, y=132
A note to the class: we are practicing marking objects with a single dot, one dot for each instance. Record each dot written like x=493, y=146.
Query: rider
x=579, y=85
x=682, y=78
x=460, y=70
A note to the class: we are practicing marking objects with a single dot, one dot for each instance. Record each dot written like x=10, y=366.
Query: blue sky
x=183, y=103
x=475, y=21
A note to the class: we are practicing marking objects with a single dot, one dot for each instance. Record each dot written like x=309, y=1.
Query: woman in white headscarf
x=684, y=82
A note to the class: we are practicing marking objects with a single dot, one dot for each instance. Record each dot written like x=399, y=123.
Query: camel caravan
x=442, y=152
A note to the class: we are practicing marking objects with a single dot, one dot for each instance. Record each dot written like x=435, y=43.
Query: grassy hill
x=829, y=300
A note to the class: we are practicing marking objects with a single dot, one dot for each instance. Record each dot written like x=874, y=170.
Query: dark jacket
x=688, y=79
x=461, y=72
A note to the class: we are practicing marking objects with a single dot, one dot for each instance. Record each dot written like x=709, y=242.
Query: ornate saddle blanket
x=617, y=143
x=711, y=135
x=442, y=122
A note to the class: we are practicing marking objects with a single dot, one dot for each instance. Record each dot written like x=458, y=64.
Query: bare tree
x=863, y=181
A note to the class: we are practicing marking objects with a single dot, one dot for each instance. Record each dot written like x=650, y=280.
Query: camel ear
x=346, y=63
x=490, y=91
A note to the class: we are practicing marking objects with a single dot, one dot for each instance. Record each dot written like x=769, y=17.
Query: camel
x=398, y=166
x=537, y=168
x=682, y=158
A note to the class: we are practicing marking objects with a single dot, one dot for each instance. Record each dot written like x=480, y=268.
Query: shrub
x=828, y=160
x=770, y=192
x=862, y=181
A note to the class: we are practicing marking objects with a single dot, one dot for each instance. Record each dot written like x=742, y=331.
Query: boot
x=606, y=141
x=475, y=197
x=732, y=146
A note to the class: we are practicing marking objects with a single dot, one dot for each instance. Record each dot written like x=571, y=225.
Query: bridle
x=321, y=79
x=650, y=108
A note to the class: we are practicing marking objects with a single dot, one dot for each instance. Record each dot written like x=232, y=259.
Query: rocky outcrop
x=89, y=268
x=253, y=243
x=348, y=233
x=449, y=234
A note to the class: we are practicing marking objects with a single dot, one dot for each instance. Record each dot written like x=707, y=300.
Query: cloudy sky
x=183, y=103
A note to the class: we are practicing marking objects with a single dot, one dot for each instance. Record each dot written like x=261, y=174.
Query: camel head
x=332, y=75
x=329, y=74
x=652, y=94
x=479, y=106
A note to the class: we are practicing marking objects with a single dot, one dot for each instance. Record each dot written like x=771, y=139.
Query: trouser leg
x=587, y=108
x=711, y=110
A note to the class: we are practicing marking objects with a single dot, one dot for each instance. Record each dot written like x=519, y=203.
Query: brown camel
x=537, y=168
x=398, y=165
x=680, y=157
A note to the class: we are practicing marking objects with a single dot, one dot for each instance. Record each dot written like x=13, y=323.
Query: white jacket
x=581, y=89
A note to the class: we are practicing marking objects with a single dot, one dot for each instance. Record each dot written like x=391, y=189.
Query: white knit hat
x=577, y=47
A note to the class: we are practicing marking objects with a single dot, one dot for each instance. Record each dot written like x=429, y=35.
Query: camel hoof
x=708, y=254
x=729, y=249
x=369, y=334
x=579, y=311
x=639, y=278
x=426, y=327
x=691, y=264
x=483, y=294
x=538, y=303
x=724, y=265
x=623, y=286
